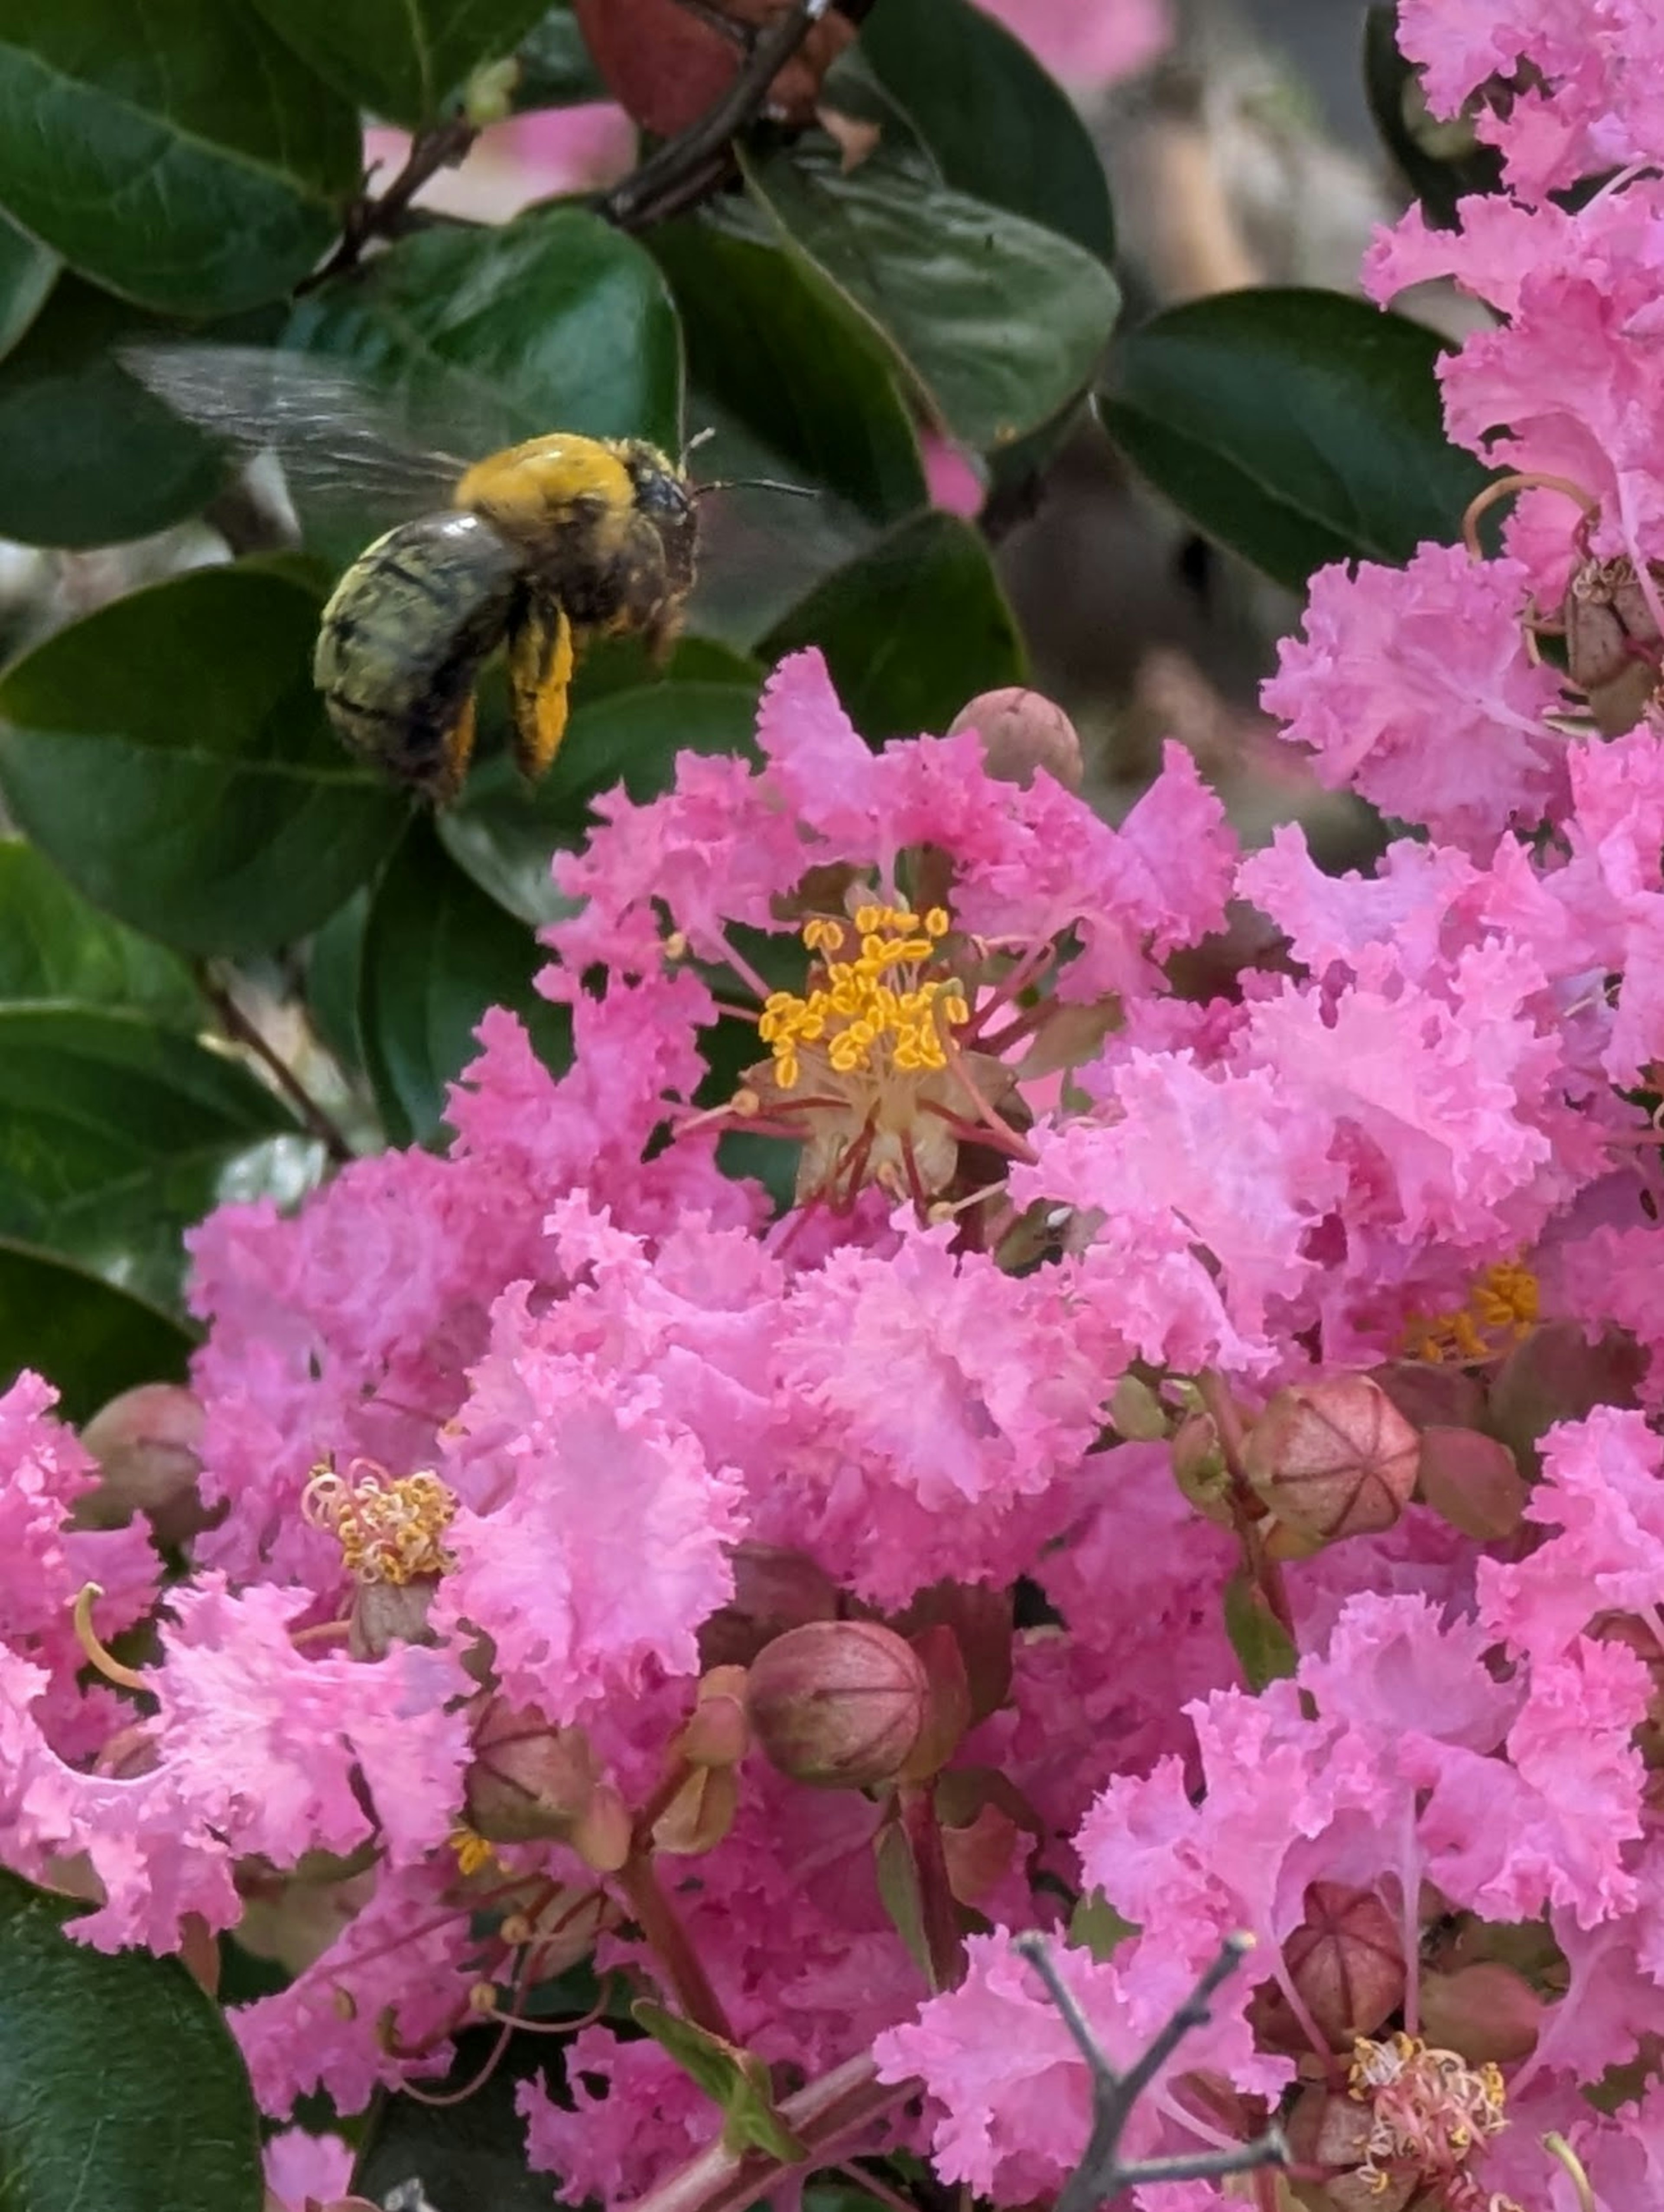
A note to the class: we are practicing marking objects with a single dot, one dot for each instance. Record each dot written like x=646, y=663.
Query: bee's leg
x=540, y=663
x=458, y=751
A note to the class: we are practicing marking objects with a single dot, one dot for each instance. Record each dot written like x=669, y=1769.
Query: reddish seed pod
x=1333, y=1459
x=1021, y=732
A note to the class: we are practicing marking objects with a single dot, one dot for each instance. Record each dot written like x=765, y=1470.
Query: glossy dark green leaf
x=91, y=458
x=91, y=1340
x=437, y=952
x=996, y=320
x=54, y=945
x=400, y=58
x=910, y=631
x=1295, y=427
x=114, y=1135
x=332, y=962
x=471, y=2155
x=556, y=69
x=770, y=339
x=170, y=756
x=27, y=272
x=177, y=152
x=995, y=124
x=1442, y=162
x=553, y=322
x=175, y=2128
x=503, y=834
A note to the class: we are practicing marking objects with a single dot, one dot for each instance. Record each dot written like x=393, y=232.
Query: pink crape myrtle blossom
x=1591, y=72
x=1412, y=687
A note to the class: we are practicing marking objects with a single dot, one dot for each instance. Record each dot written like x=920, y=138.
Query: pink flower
x=1412, y=687
x=1088, y=43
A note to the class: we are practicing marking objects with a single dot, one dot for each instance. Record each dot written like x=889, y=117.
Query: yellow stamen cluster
x=875, y=1012
x=1502, y=1308
x=1430, y=2111
x=389, y=1527
x=472, y=1852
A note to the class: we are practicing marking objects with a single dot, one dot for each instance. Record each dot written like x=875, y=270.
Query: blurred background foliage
x=1048, y=302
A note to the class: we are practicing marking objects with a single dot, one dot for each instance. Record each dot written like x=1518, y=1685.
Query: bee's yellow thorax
x=526, y=484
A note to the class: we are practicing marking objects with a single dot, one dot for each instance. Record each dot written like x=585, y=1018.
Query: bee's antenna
x=757, y=484
x=698, y=438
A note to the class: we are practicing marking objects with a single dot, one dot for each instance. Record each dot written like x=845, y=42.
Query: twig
x=238, y=1027
x=441, y=148
x=661, y=180
x=1101, y=2175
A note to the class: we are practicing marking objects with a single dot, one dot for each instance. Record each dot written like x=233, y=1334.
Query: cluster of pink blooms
x=1179, y=1462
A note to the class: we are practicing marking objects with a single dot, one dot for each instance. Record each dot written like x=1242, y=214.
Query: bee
x=541, y=547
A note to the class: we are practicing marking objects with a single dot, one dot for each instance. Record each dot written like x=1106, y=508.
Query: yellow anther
x=389, y=1526
x=472, y=1852
x=937, y=923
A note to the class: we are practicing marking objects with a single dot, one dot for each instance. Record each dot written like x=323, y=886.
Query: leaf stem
x=664, y=182
x=441, y=146
x=239, y=1028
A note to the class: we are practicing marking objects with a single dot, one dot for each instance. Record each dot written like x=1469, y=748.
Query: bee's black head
x=665, y=496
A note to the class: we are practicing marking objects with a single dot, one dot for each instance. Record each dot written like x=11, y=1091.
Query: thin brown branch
x=662, y=182
x=241, y=1030
x=382, y=215
x=1101, y=2176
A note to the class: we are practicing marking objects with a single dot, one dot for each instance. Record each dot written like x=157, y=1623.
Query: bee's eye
x=661, y=495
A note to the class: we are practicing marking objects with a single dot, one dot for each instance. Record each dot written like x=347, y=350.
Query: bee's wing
x=346, y=448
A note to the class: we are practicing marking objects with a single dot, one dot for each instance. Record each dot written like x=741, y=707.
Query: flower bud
x=1021, y=732
x=528, y=1781
x=1346, y=1961
x=1135, y=1413
x=1200, y=1469
x=1329, y=2130
x=147, y=1443
x=1471, y=1481
x=1485, y=2011
x=717, y=1735
x=1332, y=1459
x=773, y=1590
x=701, y=1812
x=604, y=1831
x=840, y=1704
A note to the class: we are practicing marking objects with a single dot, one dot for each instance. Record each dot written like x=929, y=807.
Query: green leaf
x=1442, y=162
x=437, y=952
x=27, y=272
x=91, y=1340
x=736, y=2081
x=503, y=834
x=1296, y=427
x=400, y=58
x=123, y=2086
x=169, y=754
x=996, y=320
x=556, y=69
x=911, y=630
x=114, y=1135
x=993, y=122
x=553, y=322
x=54, y=945
x=91, y=458
x=770, y=340
x=1264, y=1650
x=178, y=153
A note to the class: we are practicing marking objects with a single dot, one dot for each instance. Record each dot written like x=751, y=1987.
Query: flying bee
x=540, y=547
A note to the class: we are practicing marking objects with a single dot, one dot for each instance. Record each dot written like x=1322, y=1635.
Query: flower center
x=389, y=1527
x=1502, y=1308
x=875, y=1013
x=1430, y=2111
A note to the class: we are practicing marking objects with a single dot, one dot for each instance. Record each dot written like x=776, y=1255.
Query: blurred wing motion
x=344, y=446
